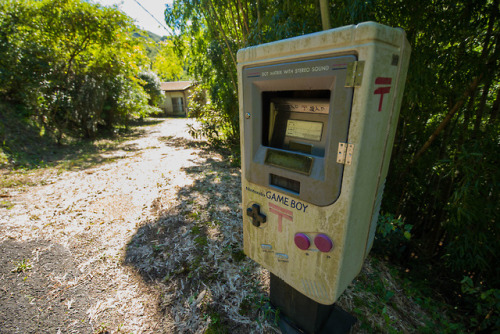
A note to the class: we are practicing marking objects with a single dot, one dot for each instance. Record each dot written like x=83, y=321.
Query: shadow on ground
x=41, y=290
x=193, y=251
x=23, y=146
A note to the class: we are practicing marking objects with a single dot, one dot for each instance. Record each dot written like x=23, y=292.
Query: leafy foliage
x=447, y=146
x=212, y=32
x=167, y=64
x=444, y=177
x=151, y=84
x=213, y=126
x=392, y=237
x=71, y=64
x=484, y=305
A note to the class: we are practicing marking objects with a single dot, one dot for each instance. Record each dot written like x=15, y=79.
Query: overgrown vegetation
x=151, y=84
x=442, y=193
x=25, y=155
x=69, y=67
x=167, y=65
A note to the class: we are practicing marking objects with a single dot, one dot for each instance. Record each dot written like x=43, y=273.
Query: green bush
x=71, y=64
x=483, y=305
x=392, y=237
x=151, y=84
x=212, y=125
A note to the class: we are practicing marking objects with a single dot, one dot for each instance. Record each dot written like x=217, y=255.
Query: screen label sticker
x=304, y=129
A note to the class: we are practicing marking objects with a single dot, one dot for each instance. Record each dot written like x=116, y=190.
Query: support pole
x=300, y=314
x=325, y=14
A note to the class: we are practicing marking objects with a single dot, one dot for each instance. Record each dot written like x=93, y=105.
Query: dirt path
x=150, y=243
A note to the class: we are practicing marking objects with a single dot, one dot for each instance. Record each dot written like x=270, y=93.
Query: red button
x=302, y=241
x=323, y=243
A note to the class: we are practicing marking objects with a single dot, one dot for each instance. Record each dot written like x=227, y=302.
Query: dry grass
x=151, y=242
x=149, y=239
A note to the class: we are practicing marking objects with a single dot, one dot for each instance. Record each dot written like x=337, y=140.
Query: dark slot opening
x=300, y=147
x=268, y=96
x=285, y=183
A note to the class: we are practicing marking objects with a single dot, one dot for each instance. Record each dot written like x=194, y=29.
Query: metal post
x=300, y=314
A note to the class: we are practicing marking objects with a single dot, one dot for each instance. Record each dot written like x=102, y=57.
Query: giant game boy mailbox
x=318, y=115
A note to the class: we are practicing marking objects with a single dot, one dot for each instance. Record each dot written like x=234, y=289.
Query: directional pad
x=257, y=217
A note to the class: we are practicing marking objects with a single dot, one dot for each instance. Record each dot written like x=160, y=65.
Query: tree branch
x=446, y=120
x=245, y=18
x=233, y=79
x=223, y=33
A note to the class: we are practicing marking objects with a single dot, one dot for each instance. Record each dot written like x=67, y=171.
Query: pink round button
x=323, y=243
x=302, y=241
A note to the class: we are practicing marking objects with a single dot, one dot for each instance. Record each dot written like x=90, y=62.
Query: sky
x=142, y=18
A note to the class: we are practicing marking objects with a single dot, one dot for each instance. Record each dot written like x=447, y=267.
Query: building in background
x=176, y=97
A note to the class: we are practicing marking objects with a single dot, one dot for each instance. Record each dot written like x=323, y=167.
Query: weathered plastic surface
x=336, y=202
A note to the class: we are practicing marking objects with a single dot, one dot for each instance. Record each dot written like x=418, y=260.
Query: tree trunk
x=447, y=119
x=325, y=14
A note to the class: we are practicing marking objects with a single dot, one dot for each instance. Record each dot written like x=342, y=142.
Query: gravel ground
x=147, y=243
x=146, y=237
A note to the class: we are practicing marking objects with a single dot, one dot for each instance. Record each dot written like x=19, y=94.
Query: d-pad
x=257, y=217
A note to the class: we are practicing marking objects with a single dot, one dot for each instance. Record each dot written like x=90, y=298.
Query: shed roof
x=175, y=85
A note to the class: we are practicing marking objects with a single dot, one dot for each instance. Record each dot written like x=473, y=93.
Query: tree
x=68, y=62
x=167, y=64
x=151, y=84
x=216, y=30
x=444, y=175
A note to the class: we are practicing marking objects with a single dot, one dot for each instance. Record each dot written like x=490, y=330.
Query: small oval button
x=323, y=243
x=302, y=241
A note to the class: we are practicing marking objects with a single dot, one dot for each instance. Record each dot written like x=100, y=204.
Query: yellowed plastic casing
x=350, y=221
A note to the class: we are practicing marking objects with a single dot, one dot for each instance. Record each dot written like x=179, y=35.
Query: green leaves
x=151, y=84
x=167, y=64
x=211, y=32
x=486, y=304
x=68, y=62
